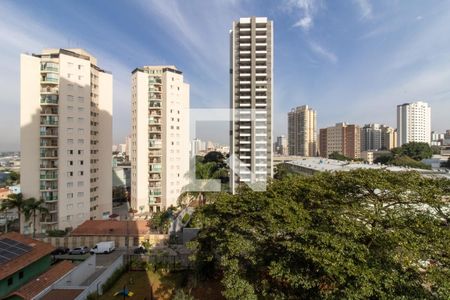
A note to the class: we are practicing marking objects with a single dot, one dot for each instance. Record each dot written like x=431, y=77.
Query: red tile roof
x=66, y=294
x=37, y=285
x=111, y=228
x=39, y=250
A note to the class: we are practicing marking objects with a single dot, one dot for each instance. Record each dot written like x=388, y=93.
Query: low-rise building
x=21, y=260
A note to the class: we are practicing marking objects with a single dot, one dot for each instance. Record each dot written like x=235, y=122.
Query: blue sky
x=352, y=60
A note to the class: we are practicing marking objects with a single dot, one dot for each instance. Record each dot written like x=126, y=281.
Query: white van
x=103, y=247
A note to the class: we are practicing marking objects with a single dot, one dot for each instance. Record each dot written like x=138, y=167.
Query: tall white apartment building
x=251, y=86
x=66, y=136
x=302, y=131
x=414, y=123
x=160, y=137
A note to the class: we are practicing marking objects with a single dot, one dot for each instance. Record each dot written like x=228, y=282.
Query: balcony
x=49, y=99
x=154, y=143
x=155, y=153
x=155, y=112
x=154, y=200
x=50, y=143
x=154, y=104
x=49, y=111
x=154, y=168
x=47, y=67
x=155, y=80
x=49, y=121
x=48, y=175
x=154, y=177
x=48, y=186
x=49, y=197
x=155, y=128
x=46, y=154
x=49, y=133
x=48, y=165
x=155, y=192
x=154, y=96
x=50, y=78
x=154, y=120
x=49, y=90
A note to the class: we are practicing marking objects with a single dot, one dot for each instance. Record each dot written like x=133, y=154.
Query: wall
x=29, y=272
x=90, y=241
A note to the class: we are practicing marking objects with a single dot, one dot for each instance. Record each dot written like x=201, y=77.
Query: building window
x=69, y=97
x=70, y=184
x=80, y=141
x=10, y=281
x=81, y=99
x=80, y=152
x=69, y=195
x=20, y=274
x=69, y=130
x=80, y=131
x=81, y=173
x=80, y=194
x=69, y=174
x=70, y=152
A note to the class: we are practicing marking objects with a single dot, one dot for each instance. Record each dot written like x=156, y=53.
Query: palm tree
x=16, y=201
x=32, y=207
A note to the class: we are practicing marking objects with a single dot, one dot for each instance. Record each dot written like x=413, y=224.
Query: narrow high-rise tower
x=66, y=136
x=251, y=80
x=302, y=132
x=160, y=137
x=413, y=123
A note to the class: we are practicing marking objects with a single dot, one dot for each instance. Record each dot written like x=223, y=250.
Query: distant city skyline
x=353, y=61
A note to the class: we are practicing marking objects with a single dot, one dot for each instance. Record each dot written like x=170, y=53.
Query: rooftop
x=331, y=165
x=37, y=285
x=38, y=250
x=112, y=228
x=66, y=294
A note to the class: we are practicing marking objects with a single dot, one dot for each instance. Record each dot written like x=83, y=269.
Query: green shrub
x=113, y=279
x=185, y=218
x=56, y=233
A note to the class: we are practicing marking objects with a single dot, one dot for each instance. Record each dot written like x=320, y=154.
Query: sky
x=352, y=60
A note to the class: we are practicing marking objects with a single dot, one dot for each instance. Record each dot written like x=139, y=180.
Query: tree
x=214, y=156
x=32, y=208
x=415, y=150
x=339, y=156
x=281, y=171
x=364, y=234
x=16, y=201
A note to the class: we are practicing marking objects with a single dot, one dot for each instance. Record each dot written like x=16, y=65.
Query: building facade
x=414, y=123
x=160, y=137
x=66, y=136
x=281, y=145
x=342, y=138
x=251, y=96
x=302, y=131
x=377, y=137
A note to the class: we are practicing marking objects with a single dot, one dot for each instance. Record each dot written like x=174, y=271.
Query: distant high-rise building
x=302, y=131
x=377, y=137
x=160, y=137
x=342, y=138
x=128, y=146
x=414, y=123
x=196, y=146
x=281, y=145
x=251, y=86
x=66, y=136
x=437, y=139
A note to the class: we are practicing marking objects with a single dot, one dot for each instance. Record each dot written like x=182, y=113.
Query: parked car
x=60, y=251
x=140, y=250
x=79, y=250
x=104, y=247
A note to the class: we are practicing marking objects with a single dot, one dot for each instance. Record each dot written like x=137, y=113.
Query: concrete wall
x=90, y=241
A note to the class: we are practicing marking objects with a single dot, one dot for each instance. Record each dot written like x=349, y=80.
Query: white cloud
x=321, y=51
x=306, y=9
x=365, y=8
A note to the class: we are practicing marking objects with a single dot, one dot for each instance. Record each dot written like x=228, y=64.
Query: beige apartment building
x=342, y=138
x=251, y=91
x=66, y=136
x=302, y=131
x=160, y=137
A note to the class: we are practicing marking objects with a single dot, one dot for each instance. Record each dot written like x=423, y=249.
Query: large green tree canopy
x=365, y=234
